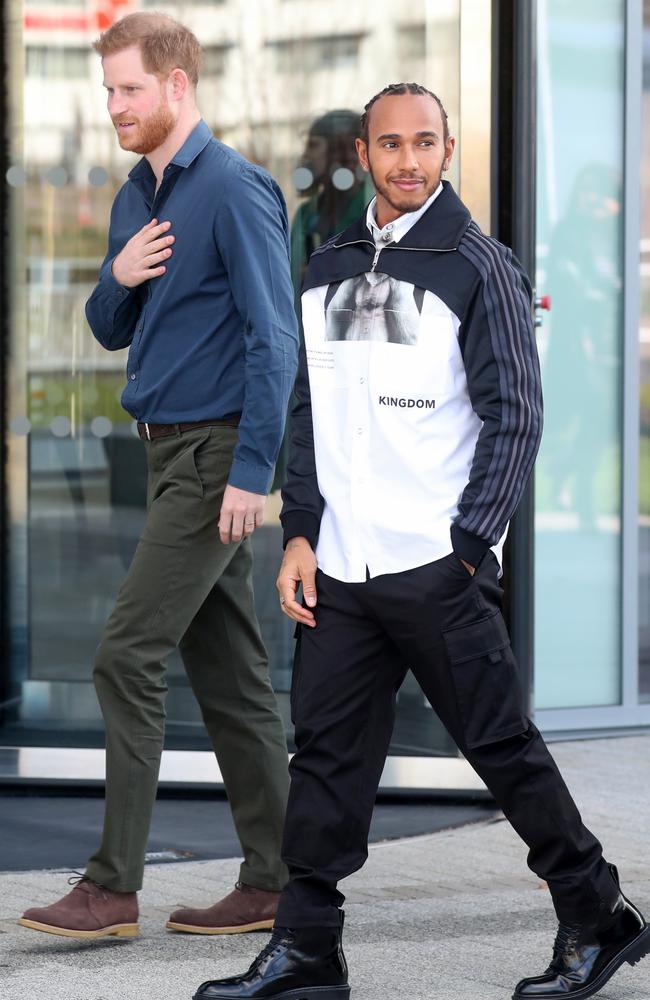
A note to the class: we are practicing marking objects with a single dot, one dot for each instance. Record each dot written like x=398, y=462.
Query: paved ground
x=449, y=916
x=182, y=828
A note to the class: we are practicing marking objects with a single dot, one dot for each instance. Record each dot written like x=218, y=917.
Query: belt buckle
x=147, y=431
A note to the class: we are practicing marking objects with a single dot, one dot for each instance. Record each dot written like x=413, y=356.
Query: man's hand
x=241, y=512
x=135, y=261
x=298, y=566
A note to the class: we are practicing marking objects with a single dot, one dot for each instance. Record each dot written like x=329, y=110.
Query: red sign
x=103, y=14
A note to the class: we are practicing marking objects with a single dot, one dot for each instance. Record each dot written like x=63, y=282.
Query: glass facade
x=286, y=89
x=644, y=359
x=580, y=232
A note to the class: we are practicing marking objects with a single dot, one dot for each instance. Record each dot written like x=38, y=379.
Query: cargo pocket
x=295, y=672
x=486, y=680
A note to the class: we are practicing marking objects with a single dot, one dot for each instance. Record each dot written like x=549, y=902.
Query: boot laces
x=79, y=878
x=280, y=935
x=565, y=940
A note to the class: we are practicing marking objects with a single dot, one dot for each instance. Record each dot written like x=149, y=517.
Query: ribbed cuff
x=300, y=523
x=469, y=547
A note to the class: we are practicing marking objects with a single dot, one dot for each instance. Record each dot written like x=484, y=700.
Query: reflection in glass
x=582, y=354
x=329, y=206
x=287, y=96
x=579, y=231
x=644, y=358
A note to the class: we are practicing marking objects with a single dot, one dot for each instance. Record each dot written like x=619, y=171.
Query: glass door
x=288, y=96
x=591, y=478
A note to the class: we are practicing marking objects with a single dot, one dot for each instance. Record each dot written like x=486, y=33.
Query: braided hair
x=399, y=89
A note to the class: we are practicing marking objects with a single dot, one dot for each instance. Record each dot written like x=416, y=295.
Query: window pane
x=288, y=96
x=579, y=231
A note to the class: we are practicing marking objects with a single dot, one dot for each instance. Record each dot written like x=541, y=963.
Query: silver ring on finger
x=282, y=600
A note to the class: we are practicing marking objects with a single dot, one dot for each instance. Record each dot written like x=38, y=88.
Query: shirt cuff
x=252, y=478
x=111, y=284
x=300, y=523
x=469, y=547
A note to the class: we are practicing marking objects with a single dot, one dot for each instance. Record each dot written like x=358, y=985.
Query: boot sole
x=632, y=953
x=306, y=993
x=258, y=925
x=115, y=930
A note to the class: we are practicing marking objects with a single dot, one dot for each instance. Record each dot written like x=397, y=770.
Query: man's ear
x=362, y=153
x=450, y=145
x=178, y=84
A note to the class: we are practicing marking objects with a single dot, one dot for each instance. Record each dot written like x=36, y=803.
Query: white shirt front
x=394, y=429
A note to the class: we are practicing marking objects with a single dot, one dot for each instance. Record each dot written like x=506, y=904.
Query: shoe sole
x=632, y=953
x=258, y=925
x=115, y=930
x=307, y=993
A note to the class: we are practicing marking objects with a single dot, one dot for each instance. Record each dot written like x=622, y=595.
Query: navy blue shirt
x=217, y=333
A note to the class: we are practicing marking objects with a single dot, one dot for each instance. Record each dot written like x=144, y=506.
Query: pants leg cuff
x=579, y=903
x=304, y=916
x=269, y=881
x=112, y=883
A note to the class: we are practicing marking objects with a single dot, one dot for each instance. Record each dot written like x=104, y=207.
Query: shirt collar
x=401, y=225
x=195, y=143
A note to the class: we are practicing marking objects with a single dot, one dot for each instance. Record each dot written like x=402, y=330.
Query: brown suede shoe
x=244, y=909
x=89, y=911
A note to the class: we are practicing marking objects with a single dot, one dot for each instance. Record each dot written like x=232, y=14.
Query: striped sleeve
x=302, y=503
x=497, y=340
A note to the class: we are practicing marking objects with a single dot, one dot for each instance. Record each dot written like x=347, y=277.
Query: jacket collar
x=440, y=228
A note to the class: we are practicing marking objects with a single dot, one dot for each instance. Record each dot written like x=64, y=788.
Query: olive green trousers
x=186, y=589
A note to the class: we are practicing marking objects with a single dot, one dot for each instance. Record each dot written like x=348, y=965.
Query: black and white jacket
x=419, y=407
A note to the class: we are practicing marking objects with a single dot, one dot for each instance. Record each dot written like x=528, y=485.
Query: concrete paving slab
x=454, y=915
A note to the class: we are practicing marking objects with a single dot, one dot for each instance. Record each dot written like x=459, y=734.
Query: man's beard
x=150, y=133
x=406, y=202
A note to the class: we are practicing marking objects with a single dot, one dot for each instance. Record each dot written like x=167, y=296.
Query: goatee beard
x=404, y=208
x=151, y=133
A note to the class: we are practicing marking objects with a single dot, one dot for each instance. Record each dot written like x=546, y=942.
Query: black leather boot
x=586, y=955
x=302, y=964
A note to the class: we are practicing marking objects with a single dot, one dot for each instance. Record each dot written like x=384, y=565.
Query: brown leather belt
x=150, y=431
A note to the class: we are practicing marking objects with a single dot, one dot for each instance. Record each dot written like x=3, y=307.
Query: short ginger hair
x=164, y=43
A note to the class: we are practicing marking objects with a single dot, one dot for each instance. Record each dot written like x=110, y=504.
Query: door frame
x=514, y=104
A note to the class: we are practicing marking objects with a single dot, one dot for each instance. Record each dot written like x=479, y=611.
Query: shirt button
x=362, y=380
x=133, y=378
x=359, y=430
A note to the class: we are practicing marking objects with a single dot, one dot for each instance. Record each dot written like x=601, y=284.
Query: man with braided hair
x=412, y=441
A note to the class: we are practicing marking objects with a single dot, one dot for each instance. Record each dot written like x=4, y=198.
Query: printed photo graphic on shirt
x=373, y=306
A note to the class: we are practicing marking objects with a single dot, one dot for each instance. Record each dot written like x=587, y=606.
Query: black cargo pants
x=447, y=627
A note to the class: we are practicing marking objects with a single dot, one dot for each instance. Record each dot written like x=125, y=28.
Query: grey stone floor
x=454, y=915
